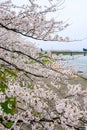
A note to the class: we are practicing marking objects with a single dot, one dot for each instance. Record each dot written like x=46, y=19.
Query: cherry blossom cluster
x=31, y=21
x=40, y=102
x=35, y=88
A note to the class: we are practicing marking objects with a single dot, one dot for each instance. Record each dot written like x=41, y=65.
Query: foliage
x=9, y=105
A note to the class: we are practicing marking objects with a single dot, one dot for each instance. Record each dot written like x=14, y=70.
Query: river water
x=78, y=63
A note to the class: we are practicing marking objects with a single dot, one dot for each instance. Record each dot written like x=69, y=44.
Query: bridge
x=71, y=53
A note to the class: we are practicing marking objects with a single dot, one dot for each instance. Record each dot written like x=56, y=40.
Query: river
x=78, y=63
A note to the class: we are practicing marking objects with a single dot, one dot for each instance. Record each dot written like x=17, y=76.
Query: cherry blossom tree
x=35, y=89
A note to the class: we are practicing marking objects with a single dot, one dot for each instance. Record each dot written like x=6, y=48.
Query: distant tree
x=31, y=82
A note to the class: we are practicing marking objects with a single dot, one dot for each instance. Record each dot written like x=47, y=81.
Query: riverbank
x=80, y=79
x=62, y=93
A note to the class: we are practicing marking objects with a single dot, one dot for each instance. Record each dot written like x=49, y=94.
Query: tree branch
x=20, y=69
x=19, y=52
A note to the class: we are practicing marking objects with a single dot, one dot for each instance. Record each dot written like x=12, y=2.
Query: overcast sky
x=76, y=13
x=75, y=10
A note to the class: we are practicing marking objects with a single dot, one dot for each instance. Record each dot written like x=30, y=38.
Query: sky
x=74, y=11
